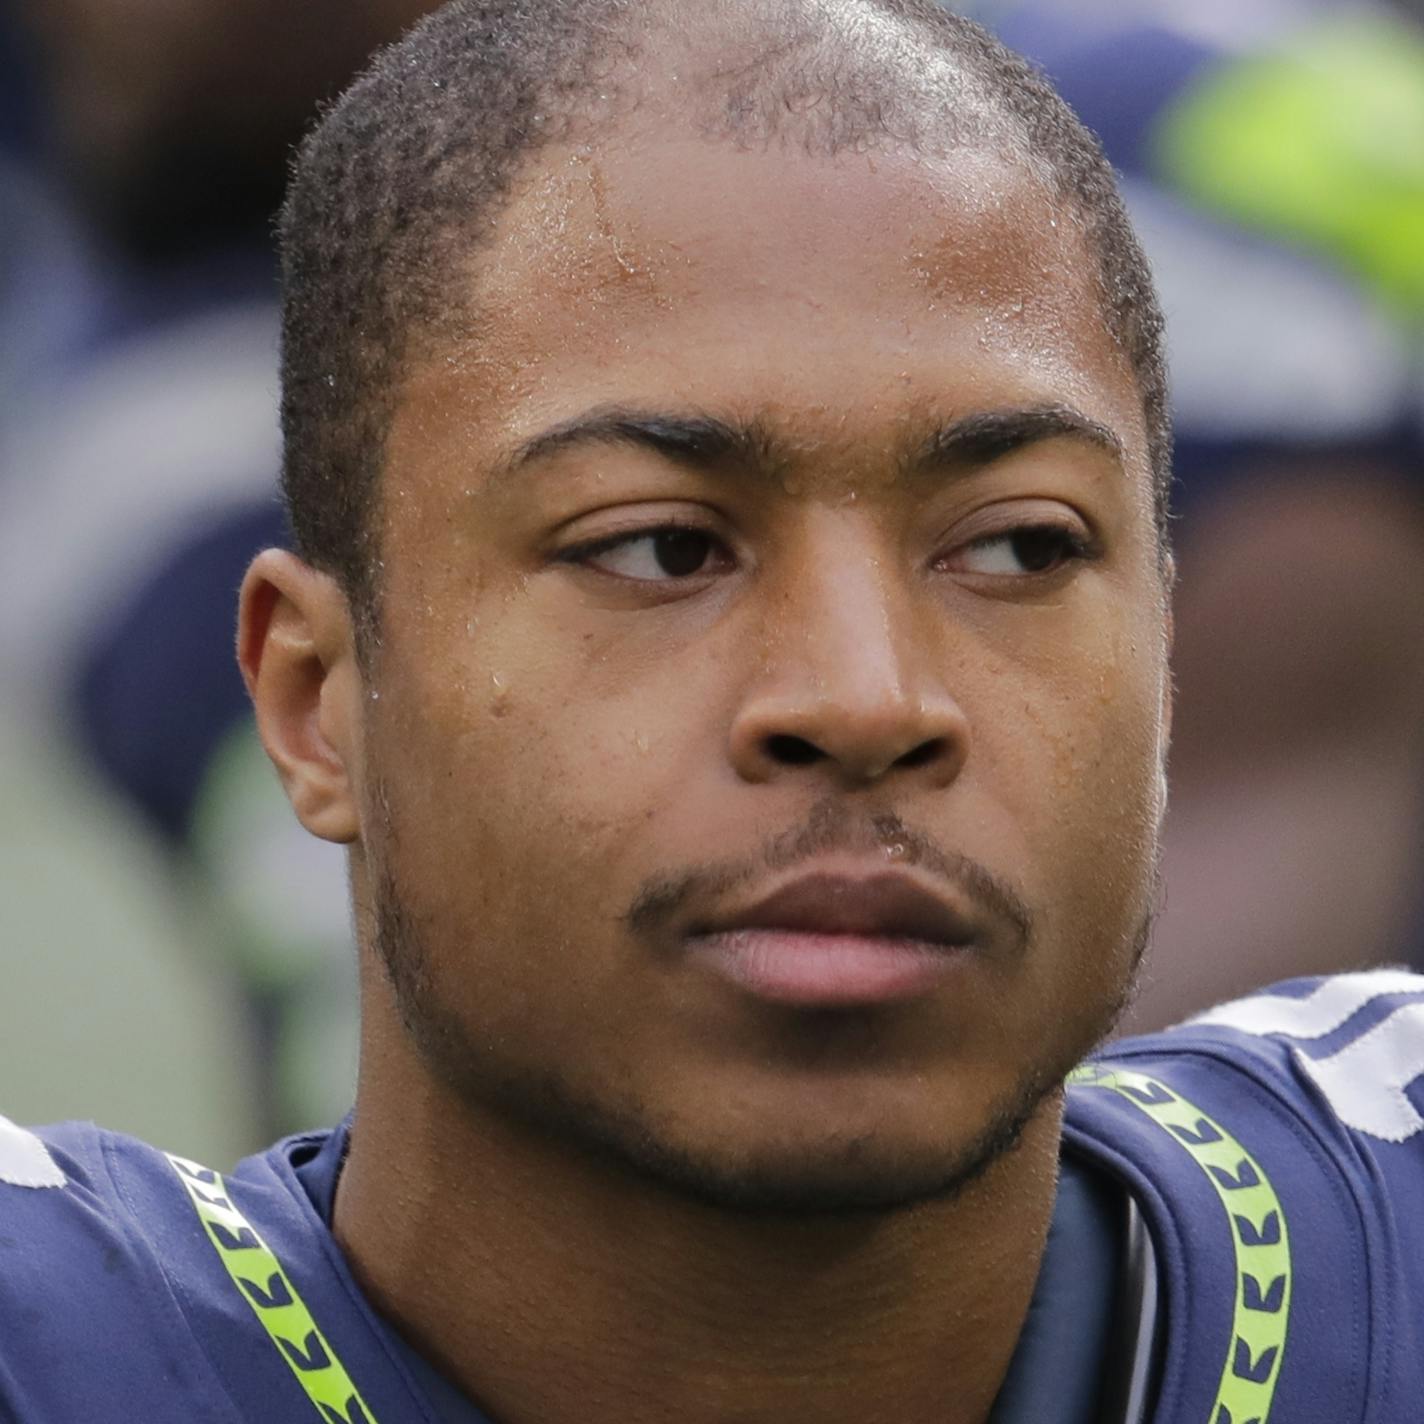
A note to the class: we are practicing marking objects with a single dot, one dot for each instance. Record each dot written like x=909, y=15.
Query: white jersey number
x=1364, y=1081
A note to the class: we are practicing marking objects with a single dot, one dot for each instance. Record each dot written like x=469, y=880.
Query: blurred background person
x=146, y=147
x=1272, y=157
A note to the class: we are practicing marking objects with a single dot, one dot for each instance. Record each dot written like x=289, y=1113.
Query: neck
x=553, y=1288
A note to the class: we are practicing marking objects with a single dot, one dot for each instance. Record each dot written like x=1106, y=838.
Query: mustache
x=830, y=828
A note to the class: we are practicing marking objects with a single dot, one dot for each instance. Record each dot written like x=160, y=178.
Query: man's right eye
x=661, y=555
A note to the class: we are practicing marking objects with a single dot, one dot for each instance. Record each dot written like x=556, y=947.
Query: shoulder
x=75, y=1199
x=1345, y=1053
x=1276, y=1145
x=1334, y=1064
x=79, y=1281
x=64, y=1218
x=114, y=1297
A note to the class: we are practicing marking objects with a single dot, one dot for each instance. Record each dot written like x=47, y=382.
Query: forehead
x=677, y=270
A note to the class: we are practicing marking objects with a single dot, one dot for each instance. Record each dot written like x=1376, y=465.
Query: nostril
x=923, y=754
x=792, y=751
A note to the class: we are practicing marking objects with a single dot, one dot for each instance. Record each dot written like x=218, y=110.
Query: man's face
x=761, y=760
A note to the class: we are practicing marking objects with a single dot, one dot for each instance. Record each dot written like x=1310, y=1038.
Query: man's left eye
x=654, y=556
x=1032, y=549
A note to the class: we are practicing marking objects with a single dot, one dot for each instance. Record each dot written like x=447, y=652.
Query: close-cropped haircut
x=405, y=176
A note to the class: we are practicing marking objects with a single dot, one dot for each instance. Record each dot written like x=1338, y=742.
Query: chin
x=857, y=1177
x=778, y=1167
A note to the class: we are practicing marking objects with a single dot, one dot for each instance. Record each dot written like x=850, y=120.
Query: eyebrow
x=691, y=439
x=986, y=436
x=704, y=441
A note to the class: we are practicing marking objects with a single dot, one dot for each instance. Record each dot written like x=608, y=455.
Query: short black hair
x=406, y=174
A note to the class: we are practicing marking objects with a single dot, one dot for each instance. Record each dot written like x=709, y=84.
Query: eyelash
x=1075, y=547
x=582, y=553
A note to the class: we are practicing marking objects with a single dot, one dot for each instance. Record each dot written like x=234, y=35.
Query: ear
x=297, y=651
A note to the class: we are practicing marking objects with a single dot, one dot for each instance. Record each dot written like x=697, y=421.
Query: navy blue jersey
x=1273, y=1148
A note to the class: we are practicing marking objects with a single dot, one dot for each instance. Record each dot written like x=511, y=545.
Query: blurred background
x=175, y=955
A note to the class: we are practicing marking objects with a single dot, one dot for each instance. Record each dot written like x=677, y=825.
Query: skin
x=542, y=737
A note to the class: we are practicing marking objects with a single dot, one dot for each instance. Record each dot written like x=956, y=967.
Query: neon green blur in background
x=1321, y=141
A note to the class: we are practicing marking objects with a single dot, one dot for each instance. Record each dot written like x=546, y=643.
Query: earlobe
x=296, y=649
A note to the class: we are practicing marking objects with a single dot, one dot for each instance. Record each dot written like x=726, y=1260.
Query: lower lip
x=826, y=970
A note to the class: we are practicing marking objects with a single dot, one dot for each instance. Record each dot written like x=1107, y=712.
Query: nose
x=853, y=686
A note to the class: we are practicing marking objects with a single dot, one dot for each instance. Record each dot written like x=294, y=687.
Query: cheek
x=527, y=776
x=1082, y=777
x=494, y=869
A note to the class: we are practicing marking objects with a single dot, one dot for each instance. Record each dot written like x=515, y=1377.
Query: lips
x=827, y=941
x=891, y=907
